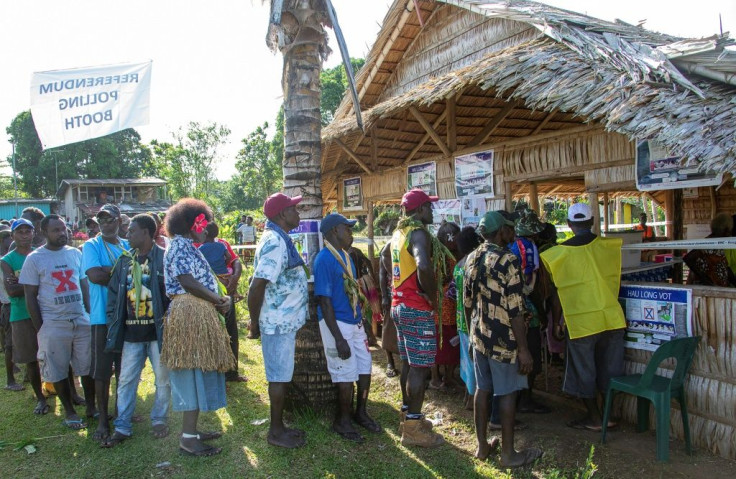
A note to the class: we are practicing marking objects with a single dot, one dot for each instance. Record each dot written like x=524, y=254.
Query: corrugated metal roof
x=109, y=181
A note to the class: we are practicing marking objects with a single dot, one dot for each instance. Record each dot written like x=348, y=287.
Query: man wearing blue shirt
x=99, y=256
x=343, y=336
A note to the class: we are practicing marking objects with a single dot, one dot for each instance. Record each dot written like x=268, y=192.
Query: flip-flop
x=350, y=436
x=530, y=455
x=390, y=372
x=160, y=431
x=41, y=410
x=368, y=424
x=74, y=424
x=209, y=436
x=15, y=387
x=114, y=440
x=206, y=452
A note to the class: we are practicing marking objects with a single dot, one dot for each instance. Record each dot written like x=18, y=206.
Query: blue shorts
x=417, y=335
x=278, y=356
x=501, y=378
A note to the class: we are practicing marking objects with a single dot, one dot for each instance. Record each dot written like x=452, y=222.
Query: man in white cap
x=594, y=321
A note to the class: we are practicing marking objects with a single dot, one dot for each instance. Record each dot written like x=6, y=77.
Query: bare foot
x=102, y=432
x=346, y=431
x=485, y=450
x=295, y=432
x=192, y=446
x=285, y=440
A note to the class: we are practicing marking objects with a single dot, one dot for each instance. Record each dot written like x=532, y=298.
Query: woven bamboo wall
x=699, y=210
x=576, y=154
x=613, y=176
x=711, y=387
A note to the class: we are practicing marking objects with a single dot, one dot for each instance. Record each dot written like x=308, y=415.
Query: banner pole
x=15, y=182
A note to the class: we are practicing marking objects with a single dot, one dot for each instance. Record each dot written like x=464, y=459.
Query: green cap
x=492, y=222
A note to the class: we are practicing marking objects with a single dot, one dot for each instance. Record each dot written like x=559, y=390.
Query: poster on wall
x=424, y=177
x=308, y=241
x=352, y=195
x=474, y=174
x=657, y=169
x=472, y=211
x=655, y=315
x=445, y=210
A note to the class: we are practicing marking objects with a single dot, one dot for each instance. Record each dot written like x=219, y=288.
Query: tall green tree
x=119, y=155
x=189, y=163
x=334, y=83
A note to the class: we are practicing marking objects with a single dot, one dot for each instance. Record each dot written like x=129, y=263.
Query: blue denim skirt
x=193, y=389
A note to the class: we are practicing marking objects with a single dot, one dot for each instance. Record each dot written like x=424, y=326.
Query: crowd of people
x=467, y=298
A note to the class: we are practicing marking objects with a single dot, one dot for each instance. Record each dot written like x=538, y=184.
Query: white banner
x=84, y=103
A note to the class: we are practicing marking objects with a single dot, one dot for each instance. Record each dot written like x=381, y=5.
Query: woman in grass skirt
x=196, y=346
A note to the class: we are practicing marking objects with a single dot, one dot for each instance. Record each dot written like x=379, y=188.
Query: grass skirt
x=194, y=337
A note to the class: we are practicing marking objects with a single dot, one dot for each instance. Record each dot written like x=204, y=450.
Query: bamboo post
x=669, y=207
x=619, y=211
x=593, y=201
x=369, y=221
x=533, y=197
x=605, y=212
x=509, y=194
x=678, y=233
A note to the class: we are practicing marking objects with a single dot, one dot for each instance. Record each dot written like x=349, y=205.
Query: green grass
x=64, y=453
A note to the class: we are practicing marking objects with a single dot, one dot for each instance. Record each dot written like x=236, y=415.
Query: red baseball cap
x=278, y=202
x=415, y=198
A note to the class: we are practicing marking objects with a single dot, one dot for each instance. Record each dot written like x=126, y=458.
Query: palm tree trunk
x=303, y=42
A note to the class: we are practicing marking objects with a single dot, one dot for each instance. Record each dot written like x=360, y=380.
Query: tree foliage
x=259, y=170
x=119, y=155
x=189, y=162
x=334, y=84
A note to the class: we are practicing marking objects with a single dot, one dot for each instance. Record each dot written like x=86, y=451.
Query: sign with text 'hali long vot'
x=84, y=103
x=655, y=315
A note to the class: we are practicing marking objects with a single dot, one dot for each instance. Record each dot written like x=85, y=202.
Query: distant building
x=81, y=199
x=8, y=207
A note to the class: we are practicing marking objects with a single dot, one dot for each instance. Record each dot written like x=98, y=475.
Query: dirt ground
x=626, y=454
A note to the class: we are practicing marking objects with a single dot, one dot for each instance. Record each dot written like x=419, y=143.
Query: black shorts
x=101, y=367
x=5, y=326
x=592, y=361
x=534, y=343
x=25, y=341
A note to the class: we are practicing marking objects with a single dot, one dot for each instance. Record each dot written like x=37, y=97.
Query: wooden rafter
x=353, y=156
x=543, y=123
x=450, y=107
x=429, y=129
x=492, y=124
x=358, y=140
x=424, y=139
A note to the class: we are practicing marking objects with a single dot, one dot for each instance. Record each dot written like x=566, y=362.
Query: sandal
x=390, y=372
x=206, y=452
x=530, y=455
x=74, y=424
x=209, y=436
x=114, y=440
x=160, y=431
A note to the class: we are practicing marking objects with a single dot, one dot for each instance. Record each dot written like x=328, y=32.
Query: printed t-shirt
x=57, y=275
x=405, y=284
x=284, y=307
x=329, y=282
x=18, y=309
x=97, y=252
x=140, y=325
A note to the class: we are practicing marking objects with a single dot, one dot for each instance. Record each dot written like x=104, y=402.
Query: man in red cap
x=413, y=308
x=277, y=302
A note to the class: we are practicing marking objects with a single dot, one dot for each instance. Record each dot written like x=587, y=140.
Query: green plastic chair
x=659, y=390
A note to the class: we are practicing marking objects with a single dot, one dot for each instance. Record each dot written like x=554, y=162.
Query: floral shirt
x=492, y=295
x=284, y=308
x=182, y=257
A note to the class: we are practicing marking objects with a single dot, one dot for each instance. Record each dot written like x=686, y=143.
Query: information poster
x=352, y=195
x=308, y=242
x=657, y=169
x=424, y=177
x=655, y=315
x=445, y=210
x=472, y=211
x=474, y=174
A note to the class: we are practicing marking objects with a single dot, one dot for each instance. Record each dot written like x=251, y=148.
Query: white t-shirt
x=247, y=233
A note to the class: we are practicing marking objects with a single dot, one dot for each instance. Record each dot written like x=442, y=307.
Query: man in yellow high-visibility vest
x=586, y=273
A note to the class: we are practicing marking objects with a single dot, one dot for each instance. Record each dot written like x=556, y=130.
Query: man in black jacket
x=136, y=306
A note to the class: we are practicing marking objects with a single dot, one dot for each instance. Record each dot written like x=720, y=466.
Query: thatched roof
x=554, y=70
